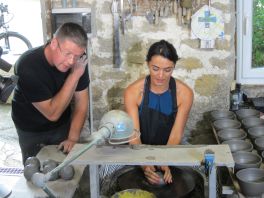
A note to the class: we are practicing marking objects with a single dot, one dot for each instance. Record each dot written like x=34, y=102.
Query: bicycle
x=13, y=44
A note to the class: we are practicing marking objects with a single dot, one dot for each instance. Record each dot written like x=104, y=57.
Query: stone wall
x=209, y=72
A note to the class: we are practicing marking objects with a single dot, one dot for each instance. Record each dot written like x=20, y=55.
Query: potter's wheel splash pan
x=184, y=182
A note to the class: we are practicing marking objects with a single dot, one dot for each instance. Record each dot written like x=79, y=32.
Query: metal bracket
x=209, y=161
x=210, y=171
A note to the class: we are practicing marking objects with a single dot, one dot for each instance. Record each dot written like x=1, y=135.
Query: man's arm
x=53, y=108
x=80, y=109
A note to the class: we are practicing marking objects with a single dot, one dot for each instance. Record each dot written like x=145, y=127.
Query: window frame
x=245, y=73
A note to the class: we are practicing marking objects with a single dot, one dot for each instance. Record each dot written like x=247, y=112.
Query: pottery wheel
x=184, y=182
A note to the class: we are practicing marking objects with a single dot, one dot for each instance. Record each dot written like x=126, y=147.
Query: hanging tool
x=122, y=16
x=117, y=57
x=126, y=14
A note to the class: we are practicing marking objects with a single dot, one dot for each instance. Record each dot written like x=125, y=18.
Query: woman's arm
x=184, y=102
x=132, y=96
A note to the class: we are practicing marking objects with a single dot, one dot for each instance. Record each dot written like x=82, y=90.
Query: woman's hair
x=163, y=48
x=72, y=32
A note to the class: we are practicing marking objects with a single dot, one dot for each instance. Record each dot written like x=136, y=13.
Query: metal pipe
x=102, y=134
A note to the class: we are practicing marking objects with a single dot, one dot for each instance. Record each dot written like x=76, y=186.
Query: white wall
x=27, y=19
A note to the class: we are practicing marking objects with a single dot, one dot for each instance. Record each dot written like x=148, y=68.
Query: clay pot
x=246, y=160
x=250, y=122
x=239, y=145
x=226, y=123
x=33, y=160
x=255, y=132
x=67, y=172
x=259, y=143
x=231, y=134
x=244, y=113
x=251, y=181
x=222, y=114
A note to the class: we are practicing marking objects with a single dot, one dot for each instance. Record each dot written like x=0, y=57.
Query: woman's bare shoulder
x=136, y=85
x=182, y=85
x=183, y=90
x=134, y=92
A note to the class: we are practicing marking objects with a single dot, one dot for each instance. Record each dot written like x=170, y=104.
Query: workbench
x=179, y=155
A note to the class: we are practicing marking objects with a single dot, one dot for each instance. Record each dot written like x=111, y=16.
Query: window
x=250, y=41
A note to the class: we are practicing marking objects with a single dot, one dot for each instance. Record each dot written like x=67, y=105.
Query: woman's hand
x=150, y=174
x=167, y=174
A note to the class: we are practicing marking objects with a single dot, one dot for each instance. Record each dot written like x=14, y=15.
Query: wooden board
x=181, y=155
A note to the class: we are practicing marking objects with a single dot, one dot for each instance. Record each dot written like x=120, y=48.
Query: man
x=50, y=77
x=159, y=104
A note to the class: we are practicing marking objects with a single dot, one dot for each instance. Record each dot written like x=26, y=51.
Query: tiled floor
x=10, y=155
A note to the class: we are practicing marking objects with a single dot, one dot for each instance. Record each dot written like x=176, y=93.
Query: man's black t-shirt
x=38, y=81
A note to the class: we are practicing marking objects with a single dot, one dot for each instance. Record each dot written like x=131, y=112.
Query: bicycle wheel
x=13, y=45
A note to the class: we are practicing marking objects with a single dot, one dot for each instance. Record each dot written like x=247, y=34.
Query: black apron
x=155, y=127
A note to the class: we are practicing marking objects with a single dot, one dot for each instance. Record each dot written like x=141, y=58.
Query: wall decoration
x=207, y=24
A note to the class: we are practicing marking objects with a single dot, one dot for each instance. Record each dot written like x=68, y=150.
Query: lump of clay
x=29, y=170
x=33, y=160
x=51, y=162
x=161, y=180
x=49, y=167
x=67, y=172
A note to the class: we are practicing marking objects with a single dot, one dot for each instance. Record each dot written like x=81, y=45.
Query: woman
x=159, y=104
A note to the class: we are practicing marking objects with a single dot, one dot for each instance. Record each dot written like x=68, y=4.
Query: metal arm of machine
x=210, y=171
x=104, y=132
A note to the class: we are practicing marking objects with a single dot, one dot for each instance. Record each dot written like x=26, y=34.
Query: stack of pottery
x=229, y=132
x=226, y=126
x=250, y=175
x=254, y=126
x=233, y=130
x=249, y=118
